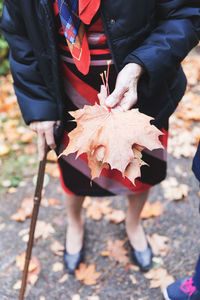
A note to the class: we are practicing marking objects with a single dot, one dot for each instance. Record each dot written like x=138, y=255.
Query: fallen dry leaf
x=23, y=231
x=87, y=274
x=159, y=244
x=117, y=251
x=25, y=238
x=97, y=209
x=105, y=135
x=44, y=202
x=4, y=149
x=43, y=230
x=173, y=190
x=93, y=297
x=51, y=156
x=87, y=201
x=50, y=202
x=20, y=259
x=189, y=109
x=57, y=248
x=132, y=278
x=182, y=142
x=57, y=267
x=159, y=278
x=52, y=169
x=33, y=270
x=53, y=202
x=63, y=278
x=27, y=136
x=12, y=190
x=117, y=216
x=30, y=149
x=134, y=268
x=152, y=210
x=25, y=211
x=17, y=285
x=191, y=67
x=2, y=226
x=76, y=297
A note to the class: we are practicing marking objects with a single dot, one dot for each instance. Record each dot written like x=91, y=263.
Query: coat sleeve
x=176, y=33
x=196, y=163
x=35, y=101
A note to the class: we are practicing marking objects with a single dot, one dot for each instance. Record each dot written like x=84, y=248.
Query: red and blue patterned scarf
x=73, y=15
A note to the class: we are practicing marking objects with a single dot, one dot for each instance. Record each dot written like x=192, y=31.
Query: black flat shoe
x=72, y=261
x=142, y=258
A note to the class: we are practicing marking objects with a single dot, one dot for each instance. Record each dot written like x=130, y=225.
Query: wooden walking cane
x=37, y=199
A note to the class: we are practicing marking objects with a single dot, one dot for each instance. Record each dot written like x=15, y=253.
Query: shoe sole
x=165, y=294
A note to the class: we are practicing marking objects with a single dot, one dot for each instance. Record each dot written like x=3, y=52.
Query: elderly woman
x=59, y=48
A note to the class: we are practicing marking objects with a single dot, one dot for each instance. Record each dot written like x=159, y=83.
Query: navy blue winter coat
x=196, y=163
x=157, y=34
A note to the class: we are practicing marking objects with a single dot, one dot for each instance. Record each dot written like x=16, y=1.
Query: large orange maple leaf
x=109, y=139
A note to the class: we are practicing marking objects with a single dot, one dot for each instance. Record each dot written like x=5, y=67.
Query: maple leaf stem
x=102, y=78
x=107, y=76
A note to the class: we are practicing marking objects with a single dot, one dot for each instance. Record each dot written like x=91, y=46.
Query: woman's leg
x=196, y=276
x=75, y=227
x=134, y=228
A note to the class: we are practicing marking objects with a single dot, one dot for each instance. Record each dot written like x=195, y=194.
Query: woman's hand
x=124, y=95
x=45, y=132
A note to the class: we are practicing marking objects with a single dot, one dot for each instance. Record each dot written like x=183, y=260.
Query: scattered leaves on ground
x=93, y=297
x=17, y=285
x=116, y=250
x=30, y=149
x=191, y=67
x=43, y=230
x=52, y=169
x=87, y=274
x=76, y=297
x=159, y=278
x=64, y=278
x=173, y=190
x=51, y=156
x=25, y=210
x=4, y=149
x=152, y=210
x=57, y=248
x=159, y=244
x=50, y=202
x=133, y=279
x=33, y=270
x=116, y=215
x=97, y=208
x=57, y=267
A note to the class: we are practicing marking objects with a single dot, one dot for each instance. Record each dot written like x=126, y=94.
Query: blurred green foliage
x=4, y=63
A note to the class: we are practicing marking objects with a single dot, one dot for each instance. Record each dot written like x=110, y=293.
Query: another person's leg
x=185, y=288
x=196, y=277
